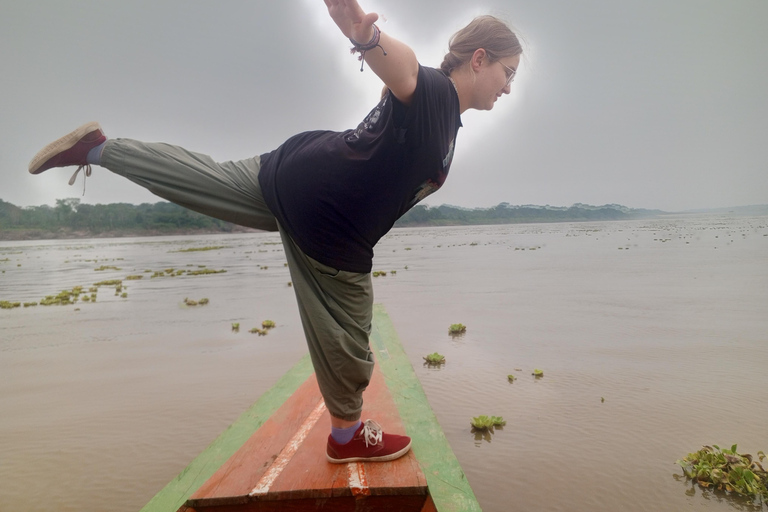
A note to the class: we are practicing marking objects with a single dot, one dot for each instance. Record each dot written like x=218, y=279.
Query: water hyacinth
x=434, y=359
x=487, y=422
x=728, y=471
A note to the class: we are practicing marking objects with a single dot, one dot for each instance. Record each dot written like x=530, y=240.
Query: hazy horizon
x=704, y=209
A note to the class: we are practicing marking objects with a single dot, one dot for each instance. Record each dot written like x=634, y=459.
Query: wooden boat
x=273, y=457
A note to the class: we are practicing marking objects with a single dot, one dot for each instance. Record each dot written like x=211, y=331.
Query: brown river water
x=652, y=335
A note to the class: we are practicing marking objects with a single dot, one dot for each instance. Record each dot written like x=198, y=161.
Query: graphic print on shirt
x=431, y=186
x=369, y=123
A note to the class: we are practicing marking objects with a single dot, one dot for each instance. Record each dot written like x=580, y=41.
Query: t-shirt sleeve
x=432, y=95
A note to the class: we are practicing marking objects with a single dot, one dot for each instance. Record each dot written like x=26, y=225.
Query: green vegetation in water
x=124, y=295
x=4, y=304
x=728, y=471
x=111, y=282
x=260, y=332
x=268, y=324
x=457, y=329
x=537, y=372
x=235, y=326
x=106, y=267
x=434, y=359
x=204, y=272
x=134, y=278
x=378, y=273
x=511, y=378
x=202, y=302
x=208, y=248
x=487, y=422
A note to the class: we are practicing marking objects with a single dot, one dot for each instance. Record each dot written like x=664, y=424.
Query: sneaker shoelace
x=372, y=432
x=86, y=173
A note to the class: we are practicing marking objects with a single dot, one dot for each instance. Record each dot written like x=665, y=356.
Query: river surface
x=652, y=335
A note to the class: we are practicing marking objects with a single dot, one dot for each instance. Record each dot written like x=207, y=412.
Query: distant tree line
x=505, y=213
x=70, y=217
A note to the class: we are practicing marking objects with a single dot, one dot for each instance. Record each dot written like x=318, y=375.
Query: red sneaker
x=71, y=149
x=369, y=444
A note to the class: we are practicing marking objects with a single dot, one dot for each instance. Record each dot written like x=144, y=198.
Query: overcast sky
x=651, y=104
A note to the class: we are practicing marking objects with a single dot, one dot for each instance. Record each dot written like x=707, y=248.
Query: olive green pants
x=335, y=306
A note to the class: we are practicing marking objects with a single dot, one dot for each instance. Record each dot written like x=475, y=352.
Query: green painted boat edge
x=176, y=493
x=446, y=480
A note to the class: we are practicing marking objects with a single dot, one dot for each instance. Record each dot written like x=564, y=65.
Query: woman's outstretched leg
x=228, y=191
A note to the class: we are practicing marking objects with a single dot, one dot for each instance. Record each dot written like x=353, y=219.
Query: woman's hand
x=398, y=68
x=352, y=20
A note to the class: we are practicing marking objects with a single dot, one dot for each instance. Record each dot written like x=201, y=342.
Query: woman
x=332, y=195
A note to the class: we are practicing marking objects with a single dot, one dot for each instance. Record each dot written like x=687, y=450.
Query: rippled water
x=666, y=320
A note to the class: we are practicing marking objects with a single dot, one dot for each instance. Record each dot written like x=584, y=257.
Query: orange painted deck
x=282, y=466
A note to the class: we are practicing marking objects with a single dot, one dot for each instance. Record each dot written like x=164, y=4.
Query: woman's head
x=482, y=62
x=486, y=32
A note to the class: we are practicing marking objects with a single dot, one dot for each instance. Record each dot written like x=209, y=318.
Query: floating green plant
x=378, y=273
x=124, y=295
x=236, y=326
x=434, y=359
x=457, y=329
x=192, y=302
x=30, y=304
x=393, y=272
x=197, y=249
x=134, y=278
x=106, y=267
x=511, y=378
x=537, y=372
x=204, y=272
x=260, y=332
x=290, y=283
x=487, y=422
x=4, y=304
x=727, y=470
x=111, y=282
x=268, y=324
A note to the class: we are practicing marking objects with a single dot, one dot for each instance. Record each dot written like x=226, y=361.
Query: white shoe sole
x=59, y=145
x=384, y=458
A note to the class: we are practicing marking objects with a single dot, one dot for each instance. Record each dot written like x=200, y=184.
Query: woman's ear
x=478, y=58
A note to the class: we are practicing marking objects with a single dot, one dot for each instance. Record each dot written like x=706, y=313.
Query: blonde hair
x=486, y=32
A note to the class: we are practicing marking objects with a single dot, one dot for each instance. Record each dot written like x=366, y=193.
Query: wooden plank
x=285, y=462
x=237, y=477
x=173, y=495
x=448, y=485
x=309, y=473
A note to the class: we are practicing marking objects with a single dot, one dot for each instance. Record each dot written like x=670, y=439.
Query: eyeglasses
x=511, y=72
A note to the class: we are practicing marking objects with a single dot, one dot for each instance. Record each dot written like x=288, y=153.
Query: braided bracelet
x=370, y=45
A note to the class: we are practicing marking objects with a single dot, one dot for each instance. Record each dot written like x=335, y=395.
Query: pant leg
x=336, y=309
x=228, y=191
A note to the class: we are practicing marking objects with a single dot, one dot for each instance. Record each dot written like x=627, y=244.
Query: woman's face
x=493, y=80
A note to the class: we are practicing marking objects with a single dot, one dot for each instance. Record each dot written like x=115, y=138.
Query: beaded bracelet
x=370, y=45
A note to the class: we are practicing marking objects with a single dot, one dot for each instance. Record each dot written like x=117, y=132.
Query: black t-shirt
x=338, y=193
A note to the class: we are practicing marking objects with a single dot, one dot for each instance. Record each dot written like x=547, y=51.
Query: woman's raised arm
x=398, y=68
